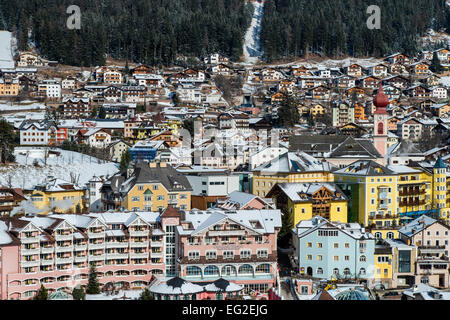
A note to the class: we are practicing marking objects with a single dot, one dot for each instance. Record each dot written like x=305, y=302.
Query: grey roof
x=294, y=162
x=416, y=225
x=334, y=146
x=365, y=168
x=295, y=191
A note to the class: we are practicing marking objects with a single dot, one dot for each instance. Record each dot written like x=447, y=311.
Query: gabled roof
x=294, y=162
x=365, y=168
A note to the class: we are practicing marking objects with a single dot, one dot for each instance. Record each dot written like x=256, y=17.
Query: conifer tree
x=146, y=295
x=42, y=294
x=93, y=286
x=435, y=66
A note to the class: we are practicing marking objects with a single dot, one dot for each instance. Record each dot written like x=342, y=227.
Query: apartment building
x=239, y=246
x=56, y=251
x=324, y=249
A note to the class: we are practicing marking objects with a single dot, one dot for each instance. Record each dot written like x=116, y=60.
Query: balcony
x=63, y=237
x=26, y=264
x=117, y=244
x=99, y=257
x=218, y=233
x=29, y=240
x=47, y=250
x=47, y=262
x=80, y=259
x=156, y=243
x=139, y=244
x=110, y=256
x=143, y=255
x=96, y=235
x=63, y=260
x=80, y=247
x=64, y=249
x=157, y=254
x=431, y=249
x=94, y=246
x=28, y=252
x=139, y=233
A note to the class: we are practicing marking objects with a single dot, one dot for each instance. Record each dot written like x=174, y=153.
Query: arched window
x=362, y=258
x=362, y=271
x=228, y=270
x=335, y=271
x=263, y=268
x=211, y=271
x=319, y=271
x=193, y=271
x=380, y=128
x=347, y=271
x=245, y=269
x=390, y=235
x=378, y=235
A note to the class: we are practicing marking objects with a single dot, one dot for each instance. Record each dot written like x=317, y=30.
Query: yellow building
x=380, y=196
x=318, y=110
x=306, y=200
x=149, y=187
x=290, y=167
x=382, y=270
x=58, y=196
x=9, y=87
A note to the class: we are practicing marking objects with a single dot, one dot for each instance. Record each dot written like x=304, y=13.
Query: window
x=228, y=255
x=347, y=245
x=347, y=258
x=309, y=257
x=336, y=245
x=193, y=271
x=309, y=244
x=194, y=255
x=211, y=255
x=211, y=271
x=336, y=258
x=245, y=254
x=362, y=259
x=262, y=254
x=263, y=268
x=319, y=271
x=319, y=244
x=319, y=257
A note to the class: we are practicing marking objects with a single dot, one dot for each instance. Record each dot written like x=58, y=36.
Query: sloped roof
x=294, y=162
x=365, y=168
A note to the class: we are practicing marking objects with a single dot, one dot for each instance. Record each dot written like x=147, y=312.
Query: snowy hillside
x=252, y=43
x=6, y=56
x=25, y=174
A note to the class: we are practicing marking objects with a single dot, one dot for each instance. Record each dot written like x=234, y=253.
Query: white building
x=265, y=155
x=51, y=88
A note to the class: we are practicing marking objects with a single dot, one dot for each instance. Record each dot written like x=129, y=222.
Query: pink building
x=130, y=249
x=127, y=248
x=239, y=246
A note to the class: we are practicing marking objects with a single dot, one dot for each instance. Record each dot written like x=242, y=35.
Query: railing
x=143, y=255
x=46, y=262
x=63, y=237
x=80, y=259
x=93, y=246
x=96, y=257
x=25, y=264
x=117, y=255
x=64, y=249
x=117, y=244
x=92, y=235
x=80, y=247
x=139, y=233
x=29, y=240
x=47, y=250
x=27, y=252
x=156, y=243
x=63, y=260
x=138, y=244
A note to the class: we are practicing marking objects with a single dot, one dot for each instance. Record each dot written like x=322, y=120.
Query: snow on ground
x=252, y=44
x=17, y=117
x=25, y=175
x=6, y=57
x=27, y=106
x=445, y=81
x=129, y=294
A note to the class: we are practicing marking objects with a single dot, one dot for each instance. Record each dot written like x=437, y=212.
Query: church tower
x=380, y=117
x=440, y=188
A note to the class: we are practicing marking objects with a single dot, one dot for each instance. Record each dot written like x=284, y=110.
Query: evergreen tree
x=288, y=114
x=287, y=224
x=42, y=294
x=188, y=124
x=8, y=140
x=435, y=66
x=94, y=112
x=125, y=160
x=146, y=295
x=101, y=113
x=93, y=286
x=78, y=294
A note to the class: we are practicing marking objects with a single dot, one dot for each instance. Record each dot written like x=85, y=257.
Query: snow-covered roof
x=294, y=162
x=416, y=225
